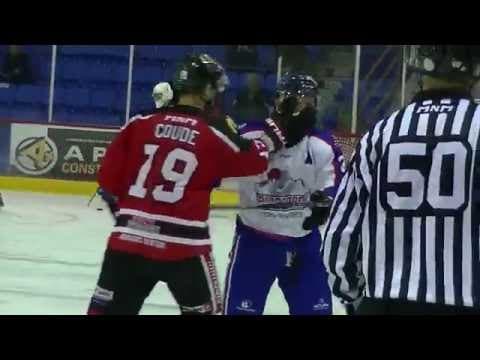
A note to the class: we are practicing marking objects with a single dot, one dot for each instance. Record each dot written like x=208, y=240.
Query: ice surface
x=51, y=247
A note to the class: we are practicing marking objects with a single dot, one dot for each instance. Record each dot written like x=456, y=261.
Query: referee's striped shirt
x=405, y=221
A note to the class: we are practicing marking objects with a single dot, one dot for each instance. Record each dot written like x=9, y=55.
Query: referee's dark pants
x=370, y=306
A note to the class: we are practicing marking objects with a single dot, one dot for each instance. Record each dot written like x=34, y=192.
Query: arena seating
x=91, y=80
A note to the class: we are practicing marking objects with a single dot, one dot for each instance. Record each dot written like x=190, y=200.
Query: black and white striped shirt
x=405, y=221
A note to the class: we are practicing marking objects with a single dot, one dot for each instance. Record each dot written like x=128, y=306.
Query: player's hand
x=320, y=210
x=273, y=137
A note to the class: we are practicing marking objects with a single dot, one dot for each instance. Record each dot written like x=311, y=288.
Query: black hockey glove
x=351, y=308
x=111, y=201
x=320, y=210
x=273, y=138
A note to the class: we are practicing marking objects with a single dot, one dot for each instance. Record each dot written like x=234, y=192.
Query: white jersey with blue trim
x=276, y=202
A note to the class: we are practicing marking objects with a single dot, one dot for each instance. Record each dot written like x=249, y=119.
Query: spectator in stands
x=16, y=66
x=251, y=102
x=242, y=57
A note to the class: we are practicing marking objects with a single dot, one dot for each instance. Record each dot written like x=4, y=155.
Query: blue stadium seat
x=95, y=50
x=72, y=50
x=98, y=72
x=373, y=102
x=169, y=71
x=147, y=52
x=103, y=98
x=108, y=100
x=86, y=116
x=347, y=88
x=76, y=97
x=218, y=52
x=267, y=56
x=173, y=52
x=7, y=95
x=70, y=70
x=148, y=75
x=32, y=94
x=270, y=82
x=30, y=112
x=330, y=117
x=5, y=111
x=236, y=80
x=228, y=100
x=383, y=87
x=60, y=114
x=120, y=102
x=41, y=69
x=142, y=99
x=119, y=72
x=115, y=50
x=84, y=71
x=38, y=50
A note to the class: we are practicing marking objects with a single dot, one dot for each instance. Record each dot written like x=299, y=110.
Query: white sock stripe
x=173, y=220
x=165, y=238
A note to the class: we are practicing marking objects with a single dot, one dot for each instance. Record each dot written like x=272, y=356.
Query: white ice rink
x=51, y=247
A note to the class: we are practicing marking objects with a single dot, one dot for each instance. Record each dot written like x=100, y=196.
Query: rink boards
x=62, y=159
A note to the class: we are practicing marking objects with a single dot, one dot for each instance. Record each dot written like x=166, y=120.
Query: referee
x=403, y=236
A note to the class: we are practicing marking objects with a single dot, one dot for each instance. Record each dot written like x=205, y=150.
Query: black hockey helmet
x=294, y=87
x=450, y=62
x=296, y=105
x=196, y=71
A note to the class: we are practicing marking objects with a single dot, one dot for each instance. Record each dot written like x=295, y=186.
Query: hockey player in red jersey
x=160, y=170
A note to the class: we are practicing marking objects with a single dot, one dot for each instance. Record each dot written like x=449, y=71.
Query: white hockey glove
x=162, y=94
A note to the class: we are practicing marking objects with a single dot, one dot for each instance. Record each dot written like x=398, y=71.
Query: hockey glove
x=273, y=137
x=320, y=210
x=351, y=308
x=162, y=94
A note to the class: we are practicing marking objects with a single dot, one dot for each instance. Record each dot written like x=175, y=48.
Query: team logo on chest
x=281, y=191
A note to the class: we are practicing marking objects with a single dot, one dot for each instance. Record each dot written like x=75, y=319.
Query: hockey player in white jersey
x=277, y=234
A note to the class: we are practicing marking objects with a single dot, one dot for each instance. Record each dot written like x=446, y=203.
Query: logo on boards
x=36, y=155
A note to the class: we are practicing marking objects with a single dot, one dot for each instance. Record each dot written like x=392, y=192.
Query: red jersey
x=163, y=167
